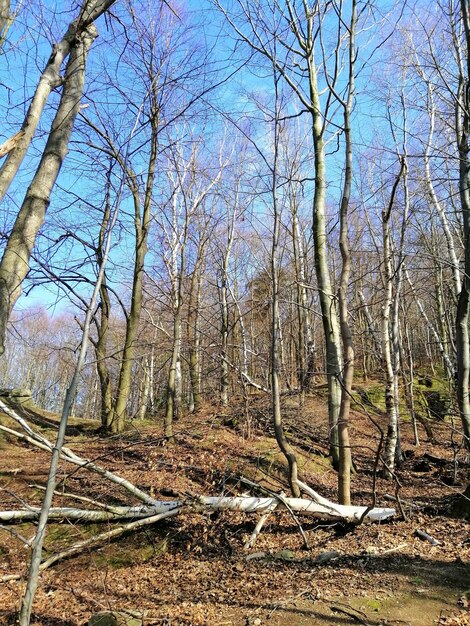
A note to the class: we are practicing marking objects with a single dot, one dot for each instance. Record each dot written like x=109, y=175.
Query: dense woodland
x=219, y=203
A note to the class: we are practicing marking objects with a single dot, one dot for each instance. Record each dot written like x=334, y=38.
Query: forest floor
x=192, y=569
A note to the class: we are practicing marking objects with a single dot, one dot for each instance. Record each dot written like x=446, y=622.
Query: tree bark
x=15, y=261
x=281, y=439
x=327, y=298
x=33, y=574
x=324, y=509
x=345, y=461
x=463, y=307
x=50, y=79
x=194, y=302
x=4, y=18
x=390, y=397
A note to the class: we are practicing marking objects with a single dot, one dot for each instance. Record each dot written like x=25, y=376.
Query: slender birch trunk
x=306, y=343
x=100, y=344
x=34, y=567
x=194, y=304
x=144, y=390
x=281, y=439
x=390, y=397
x=174, y=373
x=224, y=307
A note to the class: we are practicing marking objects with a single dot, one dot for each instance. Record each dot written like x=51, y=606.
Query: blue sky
x=31, y=38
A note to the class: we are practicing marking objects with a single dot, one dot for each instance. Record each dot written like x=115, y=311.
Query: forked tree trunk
x=114, y=406
x=50, y=80
x=141, y=228
x=15, y=262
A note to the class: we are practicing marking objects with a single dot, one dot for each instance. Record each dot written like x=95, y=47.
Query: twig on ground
x=357, y=615
x=65, y=494
x=261, y=522
x=287, y=601
x=425, y=537
x=26, y=542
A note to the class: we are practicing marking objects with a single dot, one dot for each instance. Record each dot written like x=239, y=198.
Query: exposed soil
x=192, y=569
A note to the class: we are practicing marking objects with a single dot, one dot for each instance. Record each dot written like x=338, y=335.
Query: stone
x=285, y=555
x=324, y=557
x=113, y=618
x=255, y=555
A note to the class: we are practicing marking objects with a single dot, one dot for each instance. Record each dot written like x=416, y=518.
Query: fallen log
x=242, y=504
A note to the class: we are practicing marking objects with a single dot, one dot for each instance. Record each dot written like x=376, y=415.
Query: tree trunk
x=224, y=316
x=306, y=347
x=345, y=462
x=463, y=306
x=194, y=302
x=141, y=228
x=390, y=397
x=15, y=262
x=50, y=79
x=284, y=445
x=327, y=297
x=174, y=374
x=103, y=324
x=144, y=391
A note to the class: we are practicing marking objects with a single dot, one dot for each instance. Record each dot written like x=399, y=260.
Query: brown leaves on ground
x=192, y=569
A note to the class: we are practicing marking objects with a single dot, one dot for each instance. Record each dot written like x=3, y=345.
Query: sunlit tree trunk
x=326, y=296
x=194, y=303
x=173, y=394
x=15, y=261
x=224, y=321
x=78, y=33
x=345, y=462
x=281, y=439
x=462, y=338
x=306, y=345
x=387, y=348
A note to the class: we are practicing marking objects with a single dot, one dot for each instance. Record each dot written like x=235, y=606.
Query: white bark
x=244, y=504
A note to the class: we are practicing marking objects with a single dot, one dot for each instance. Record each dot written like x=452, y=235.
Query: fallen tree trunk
x=318, y=506
x=243, y=504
